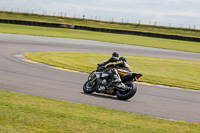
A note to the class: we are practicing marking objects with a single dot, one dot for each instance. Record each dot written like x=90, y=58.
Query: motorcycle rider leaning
x=120, y=65
x=113, y=63
x=112, y=66
x=114, y=58
x=114, y=75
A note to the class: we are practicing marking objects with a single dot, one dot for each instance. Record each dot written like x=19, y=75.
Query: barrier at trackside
x=32, y=23
x=157, y=35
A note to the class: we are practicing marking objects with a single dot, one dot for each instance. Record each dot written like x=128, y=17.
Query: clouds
x=162, y=11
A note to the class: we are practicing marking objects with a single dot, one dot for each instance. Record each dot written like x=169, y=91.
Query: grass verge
x=170, y=72
x=101, y=24
x=100, y=36
x=23, y=113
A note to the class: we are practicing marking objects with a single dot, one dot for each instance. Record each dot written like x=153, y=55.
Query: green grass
x=21, y=113
x=100, y=36
x=170, y=72
x=101, y=24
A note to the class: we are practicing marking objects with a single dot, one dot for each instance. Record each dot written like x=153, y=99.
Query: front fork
x=116, y=75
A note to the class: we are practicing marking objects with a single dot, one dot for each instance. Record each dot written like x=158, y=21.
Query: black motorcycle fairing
x=136, y=76
x=129, y=76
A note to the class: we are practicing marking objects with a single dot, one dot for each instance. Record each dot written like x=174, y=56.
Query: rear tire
x=127, y=94
x=89, y=89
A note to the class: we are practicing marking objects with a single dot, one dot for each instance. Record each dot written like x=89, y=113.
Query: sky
x=177, y=13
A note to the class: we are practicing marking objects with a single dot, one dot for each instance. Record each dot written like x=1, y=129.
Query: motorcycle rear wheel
x=127, y=94
x=87, y=88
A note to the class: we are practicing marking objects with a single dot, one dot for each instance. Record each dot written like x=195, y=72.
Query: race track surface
x=38, y=80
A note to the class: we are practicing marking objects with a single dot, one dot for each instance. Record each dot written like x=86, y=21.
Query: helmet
x=122, y=59
x=115, y=54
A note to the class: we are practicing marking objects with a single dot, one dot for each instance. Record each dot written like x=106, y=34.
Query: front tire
x=92, y=75
x=89, y=86
x=127, y=94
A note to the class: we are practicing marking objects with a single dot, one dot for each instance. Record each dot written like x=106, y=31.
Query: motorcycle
x=100, y=81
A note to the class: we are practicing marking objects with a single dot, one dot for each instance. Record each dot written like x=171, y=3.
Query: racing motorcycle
x=100, y=81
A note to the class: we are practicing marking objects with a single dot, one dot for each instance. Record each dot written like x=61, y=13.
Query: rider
x=109, y=63
x=121, y=66
x=112, y=66
x=114, y=58
x=121, y=63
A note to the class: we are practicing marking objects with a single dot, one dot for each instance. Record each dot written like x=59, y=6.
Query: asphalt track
x=40, y=80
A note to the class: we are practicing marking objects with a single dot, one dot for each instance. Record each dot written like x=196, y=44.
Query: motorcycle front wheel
x=128, y=93
x=89, y=86
x=92, y=75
